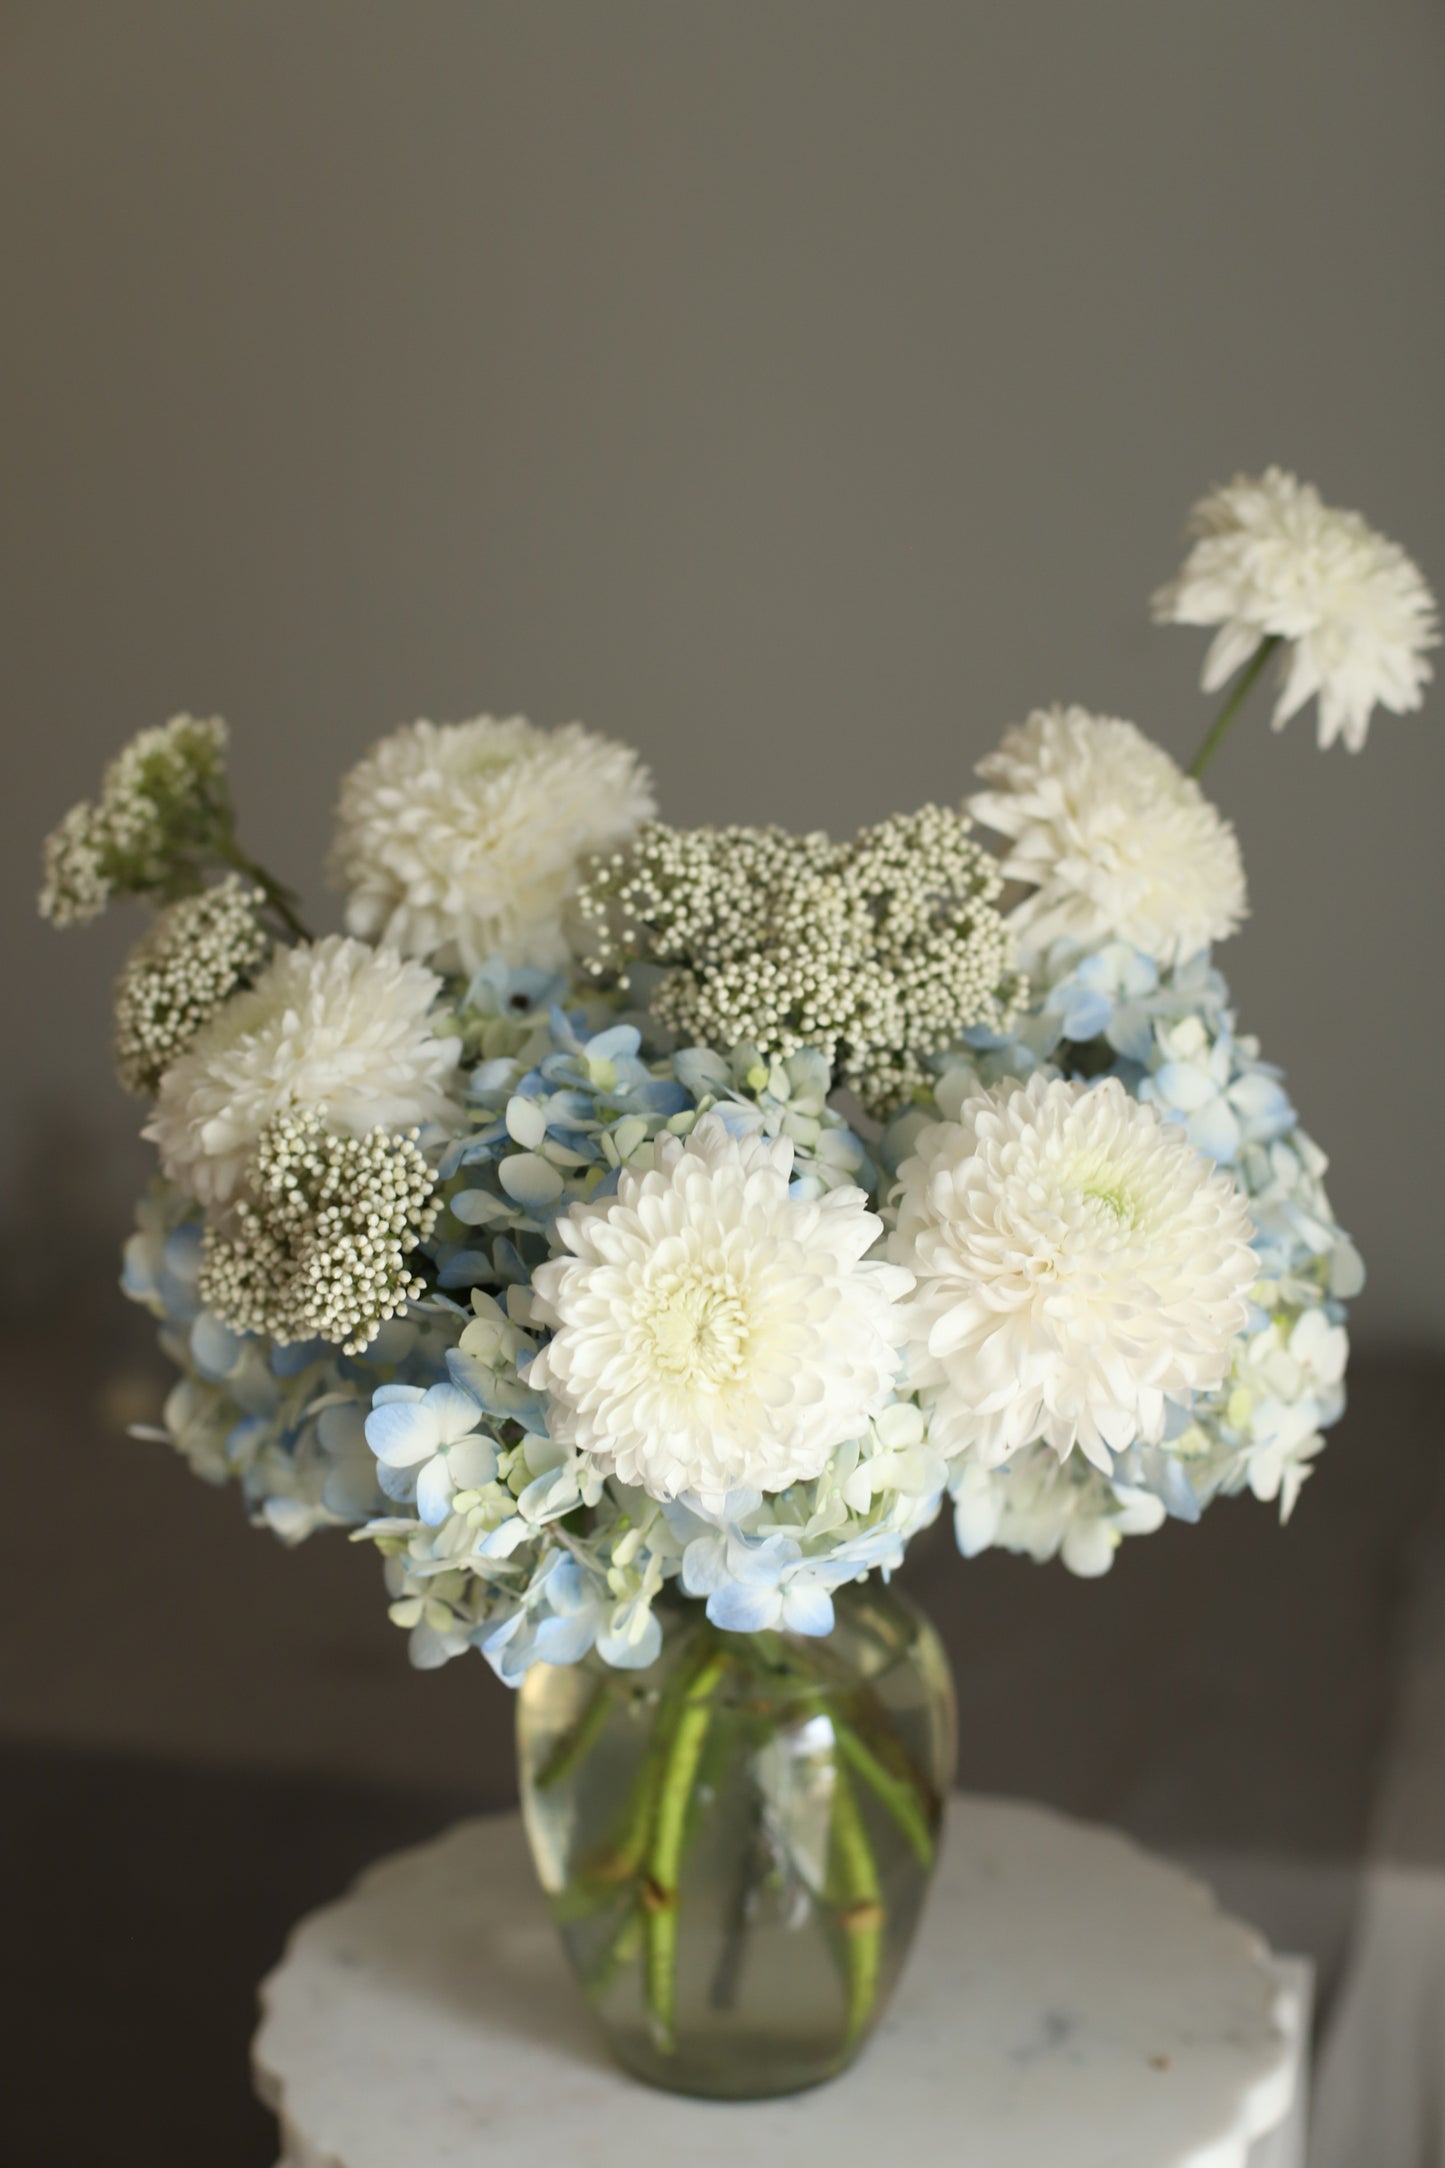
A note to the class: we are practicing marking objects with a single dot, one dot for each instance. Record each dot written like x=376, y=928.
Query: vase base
x=741, y=2069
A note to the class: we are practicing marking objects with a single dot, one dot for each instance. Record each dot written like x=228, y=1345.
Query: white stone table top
x=1070, y=1999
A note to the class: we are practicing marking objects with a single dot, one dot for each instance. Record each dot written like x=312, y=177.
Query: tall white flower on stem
x=461, y=841
x=1114, y=841
x=331, y=1026
x=1078, y=1265
x=713, y=1332
x=1272, y=562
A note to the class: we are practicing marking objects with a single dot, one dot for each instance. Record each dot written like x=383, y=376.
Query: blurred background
x=802, y=393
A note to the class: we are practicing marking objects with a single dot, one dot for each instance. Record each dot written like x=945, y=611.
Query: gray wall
x=801, y=391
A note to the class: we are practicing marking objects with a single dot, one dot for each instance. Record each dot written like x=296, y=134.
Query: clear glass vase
x=737, y=1842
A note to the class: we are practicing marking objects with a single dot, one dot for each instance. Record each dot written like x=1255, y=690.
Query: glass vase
x=736, y=1842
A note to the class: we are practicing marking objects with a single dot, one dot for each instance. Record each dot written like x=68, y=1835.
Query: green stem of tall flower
x=664, y=1852
x=1244, y=685
x=278, y=899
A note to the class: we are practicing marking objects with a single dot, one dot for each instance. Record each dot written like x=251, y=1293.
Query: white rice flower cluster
x=1079, y=1266
x=712, y=1332
x=1115, y=841
x=329, y=1024
x=457, y=842
x=1271, y=560
x=317, y=1249
x=877, y=951
x=160, y=800
x=193, y=958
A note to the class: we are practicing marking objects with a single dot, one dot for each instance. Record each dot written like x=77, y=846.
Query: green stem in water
x=664, y=1853
x=898, y=1797
x=860, y=1904
x=618, y=1953
x=619, y=1857
x=1244, y=685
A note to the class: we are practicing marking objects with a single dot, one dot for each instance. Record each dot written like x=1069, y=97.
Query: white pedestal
x=1070, y=1999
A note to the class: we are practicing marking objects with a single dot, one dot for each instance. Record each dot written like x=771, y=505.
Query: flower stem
x=618, y=1953
x=664, y=1854
x=860, y=1908
x=895, y=1794
x=1244, y=685
x=278, y=899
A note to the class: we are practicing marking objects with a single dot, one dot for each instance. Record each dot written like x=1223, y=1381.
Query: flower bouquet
x=637, y=1235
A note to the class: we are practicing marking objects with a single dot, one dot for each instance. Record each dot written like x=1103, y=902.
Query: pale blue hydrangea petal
x=534, y=1182
x=807, y=1609
x=628, y=1649
x=397, y=1484
x=401, y=1433
x=1214, y=1131
x=739, y=1608
x=473, y=1462
x=434, y=1491
x=215, y=1349
x=452, y=1409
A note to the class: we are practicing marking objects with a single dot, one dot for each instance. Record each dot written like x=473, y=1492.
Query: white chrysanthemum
x=460, y=841
x=713, y=1332
x=332, y=1025
x=1272, y=560
x=1078, y=1265
x=1115, y=841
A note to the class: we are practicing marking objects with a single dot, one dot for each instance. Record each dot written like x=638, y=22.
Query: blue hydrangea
x=1171, y=1038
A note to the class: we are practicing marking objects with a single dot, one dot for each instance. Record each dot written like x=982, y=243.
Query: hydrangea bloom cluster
x=1113, y=1020
x=286, y=1424
x=871, y=951
x=199, y=951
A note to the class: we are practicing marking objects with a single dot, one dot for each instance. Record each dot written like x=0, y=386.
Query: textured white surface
x=1070, y=1999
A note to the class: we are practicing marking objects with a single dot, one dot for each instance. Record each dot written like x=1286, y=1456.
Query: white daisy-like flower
x=1114, y=840
x=330, y=1025
x=461, y=841
x=1078, y=1265
x=713, y=1332
x=1271, y=560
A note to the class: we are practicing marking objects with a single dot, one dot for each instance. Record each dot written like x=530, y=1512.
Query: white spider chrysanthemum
x=1271, y=559
x=713, y=1332
x=1078, y=1266
x=331, y=1025
x=1116, y=842
x=461, y=841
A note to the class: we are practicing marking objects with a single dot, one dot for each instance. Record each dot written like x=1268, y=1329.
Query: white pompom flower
x=331, y=1025
x=1115, y=841
x=1078, y=1266
x=1271, y=560
x=713, y=1331
x=461, y=841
